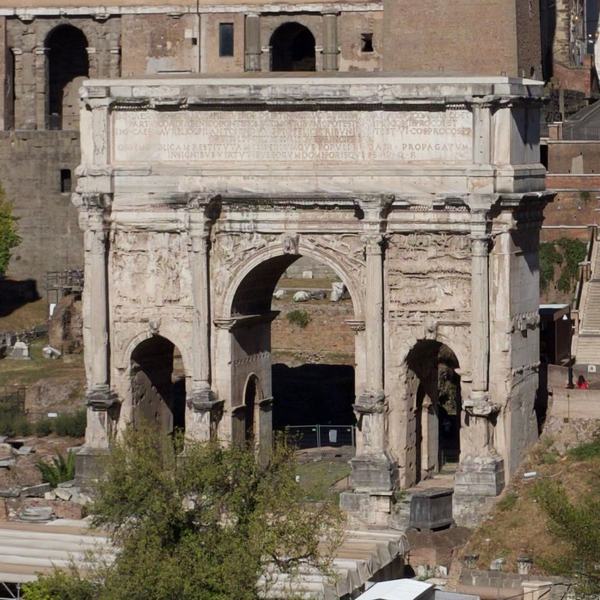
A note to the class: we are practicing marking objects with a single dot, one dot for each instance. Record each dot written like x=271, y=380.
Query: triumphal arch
x=424, y=195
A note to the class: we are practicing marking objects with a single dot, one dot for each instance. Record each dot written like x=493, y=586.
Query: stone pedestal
x=373, y=473
x=372, y=509
x=431, y=509
x=89, y=465
x=478, y=481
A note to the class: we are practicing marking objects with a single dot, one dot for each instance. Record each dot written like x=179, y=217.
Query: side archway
x=293, y=48
x=433, y=408
x=157, y=385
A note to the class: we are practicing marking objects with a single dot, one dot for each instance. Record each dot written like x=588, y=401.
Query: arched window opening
x=293, y=48
x=434, y=392
x=158, y=385
x=68, y=65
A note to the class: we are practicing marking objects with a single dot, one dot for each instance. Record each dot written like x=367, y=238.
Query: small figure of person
x=582, y=384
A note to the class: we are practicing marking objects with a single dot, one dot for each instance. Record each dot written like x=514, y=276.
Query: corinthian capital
x=375, y=206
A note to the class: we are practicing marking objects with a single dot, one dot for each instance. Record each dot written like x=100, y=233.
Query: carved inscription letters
x=281, y=136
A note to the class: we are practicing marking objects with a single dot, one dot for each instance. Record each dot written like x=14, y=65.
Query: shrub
x=66, y=586
x=298, y=317
x=59, y=470
x=9, y=238
x=43, y=427
x=12, y=424
x=70, y=424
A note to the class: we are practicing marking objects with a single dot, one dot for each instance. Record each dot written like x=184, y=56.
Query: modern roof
x=399, y=589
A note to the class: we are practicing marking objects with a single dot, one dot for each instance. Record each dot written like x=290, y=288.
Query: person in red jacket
x=582, y=384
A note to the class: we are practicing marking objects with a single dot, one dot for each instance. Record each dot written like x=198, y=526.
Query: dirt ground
x=25, y=473
x=517, y=525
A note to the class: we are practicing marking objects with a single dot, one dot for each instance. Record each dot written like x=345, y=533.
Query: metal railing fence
x=317, y=436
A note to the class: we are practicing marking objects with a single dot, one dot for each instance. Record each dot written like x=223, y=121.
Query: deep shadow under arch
x=293, y=48
x=158, y=391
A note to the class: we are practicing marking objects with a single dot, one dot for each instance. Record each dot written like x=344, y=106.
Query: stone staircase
x=27, y=550
x=587, y=342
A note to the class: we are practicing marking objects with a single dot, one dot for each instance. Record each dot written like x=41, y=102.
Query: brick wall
x=437, y=36
x=30, y=165
x=571, y=209
x=327, y=338
x=585, y=153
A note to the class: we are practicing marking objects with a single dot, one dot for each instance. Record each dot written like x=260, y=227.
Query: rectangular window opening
x=367, y=42
x=225, y=39
x=65, y=180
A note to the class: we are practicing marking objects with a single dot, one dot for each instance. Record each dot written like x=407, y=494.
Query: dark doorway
x=67, y=66
x=158, y=385
x=293, y=48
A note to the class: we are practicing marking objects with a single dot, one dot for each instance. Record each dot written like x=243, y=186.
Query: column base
x=373, y=473
x=89, y=465
x=477, y=484
x=371, y=509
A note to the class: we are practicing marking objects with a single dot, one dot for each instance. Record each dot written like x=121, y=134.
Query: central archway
x=301, y=353
x=293, y=48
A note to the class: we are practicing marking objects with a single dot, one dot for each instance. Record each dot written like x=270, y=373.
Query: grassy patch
x=318, y=478
x=27, y=372
x=508, y=502
x=25, y=317
x=589, y=451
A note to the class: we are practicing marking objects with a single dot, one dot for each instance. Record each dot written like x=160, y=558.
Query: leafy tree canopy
x=9, y=237
x=200, y=522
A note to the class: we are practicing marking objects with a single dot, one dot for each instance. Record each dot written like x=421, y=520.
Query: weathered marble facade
x=424, y=195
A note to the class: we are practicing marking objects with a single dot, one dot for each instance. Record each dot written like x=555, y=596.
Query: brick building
x=47, y=49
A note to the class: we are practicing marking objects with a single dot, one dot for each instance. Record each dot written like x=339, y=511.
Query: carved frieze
x=429, y=272
x=150, y=269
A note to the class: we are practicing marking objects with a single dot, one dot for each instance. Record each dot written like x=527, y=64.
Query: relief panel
x=429, y=273
x=150, y=269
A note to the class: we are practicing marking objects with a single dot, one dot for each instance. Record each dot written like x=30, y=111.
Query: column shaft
x=97, y=298
x=252, y=43
x=201, y=375
x=374, y=314
x=330, y=42
x=480, y=319
x=41, y=88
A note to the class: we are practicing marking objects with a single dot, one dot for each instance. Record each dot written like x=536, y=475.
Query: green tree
x=578, y=525
x=208, y=523
x=9, y=237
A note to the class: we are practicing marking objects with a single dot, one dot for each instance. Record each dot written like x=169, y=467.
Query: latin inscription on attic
x=292, y=136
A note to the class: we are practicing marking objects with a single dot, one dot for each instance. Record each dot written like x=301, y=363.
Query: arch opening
x=298, y=344
x=293, y=48
x=68, y=66
x=435, y=411
x=158, y=385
